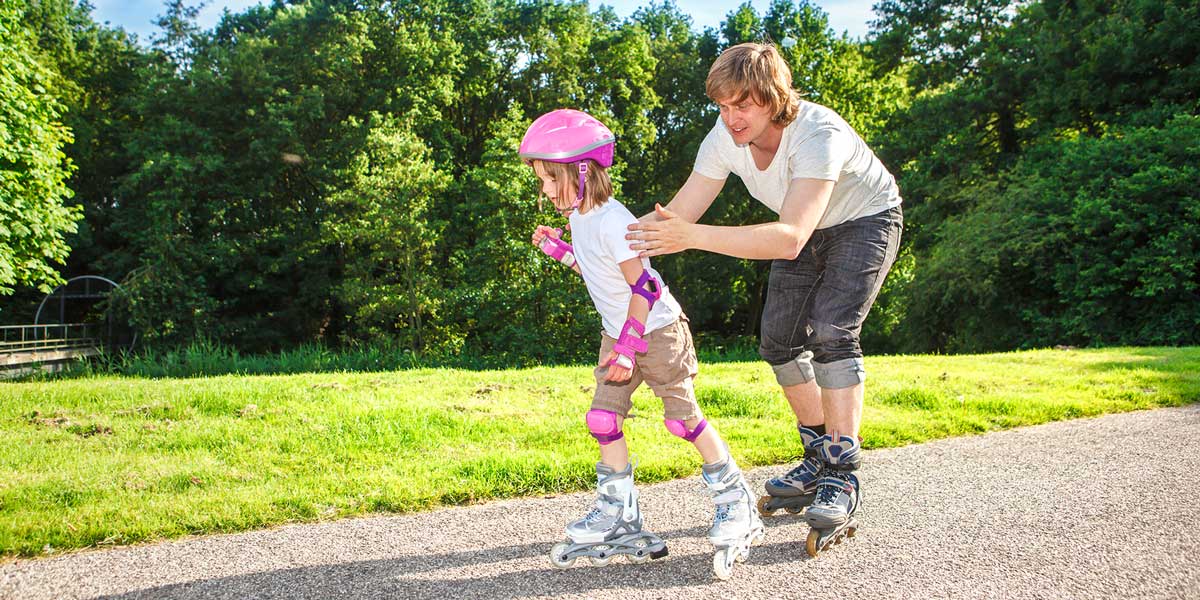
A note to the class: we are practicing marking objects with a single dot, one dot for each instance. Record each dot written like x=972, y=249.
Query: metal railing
x=41, y=338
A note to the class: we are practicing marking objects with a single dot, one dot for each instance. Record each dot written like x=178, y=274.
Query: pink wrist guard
x=558, y=250
x=628, y=345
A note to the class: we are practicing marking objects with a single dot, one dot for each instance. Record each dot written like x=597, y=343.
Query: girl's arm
x=802, y=208
x=639, y=311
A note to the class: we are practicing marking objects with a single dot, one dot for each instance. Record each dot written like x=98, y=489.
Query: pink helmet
x=567, y=136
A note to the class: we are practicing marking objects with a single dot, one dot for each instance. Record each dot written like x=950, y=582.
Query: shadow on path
x=401, y=577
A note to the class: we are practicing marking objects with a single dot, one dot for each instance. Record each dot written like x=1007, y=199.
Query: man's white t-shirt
x=599, y=244
x=819, y=144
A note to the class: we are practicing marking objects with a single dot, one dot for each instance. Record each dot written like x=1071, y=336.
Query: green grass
x=204, y=358
x=95, y=461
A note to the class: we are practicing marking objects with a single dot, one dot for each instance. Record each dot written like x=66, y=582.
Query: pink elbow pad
x=648, y=287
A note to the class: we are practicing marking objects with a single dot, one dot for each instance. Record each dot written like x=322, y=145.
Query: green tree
x=96, y=71
x=962, y=61
x=1009, y=93
x=1094, y=63
x=33, y=167
x=382, y=228
x=1083, y=241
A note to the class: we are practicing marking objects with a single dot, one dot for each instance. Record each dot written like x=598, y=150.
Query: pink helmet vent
x=566, y=136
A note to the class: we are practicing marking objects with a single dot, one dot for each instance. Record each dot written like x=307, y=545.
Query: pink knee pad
x=603, y=426
x=679, y=428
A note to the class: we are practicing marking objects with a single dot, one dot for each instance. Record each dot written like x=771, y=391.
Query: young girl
x=645, y=338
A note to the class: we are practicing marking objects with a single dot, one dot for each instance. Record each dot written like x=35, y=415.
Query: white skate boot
x=613, y=527
x=736, y=524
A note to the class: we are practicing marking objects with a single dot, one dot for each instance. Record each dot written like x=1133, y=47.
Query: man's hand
x=667, y=235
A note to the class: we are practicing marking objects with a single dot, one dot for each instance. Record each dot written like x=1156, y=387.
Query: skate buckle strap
x=837, y=482
x=721, y=491
x=842, y=454
x=804, y=473
x=583, y=169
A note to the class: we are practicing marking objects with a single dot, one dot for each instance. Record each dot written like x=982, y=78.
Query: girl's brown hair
x=597, y=188
x=756, y=71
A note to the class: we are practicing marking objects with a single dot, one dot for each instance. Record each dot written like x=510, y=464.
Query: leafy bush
x=1084, y=241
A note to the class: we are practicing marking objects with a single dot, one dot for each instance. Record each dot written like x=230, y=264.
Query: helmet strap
x=582, y=178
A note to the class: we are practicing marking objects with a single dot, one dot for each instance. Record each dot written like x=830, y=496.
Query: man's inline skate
x=736, y=525
x=831, y=515
x=612, y=528
x=795, y=490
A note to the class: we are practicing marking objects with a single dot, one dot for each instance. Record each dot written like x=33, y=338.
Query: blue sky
x=136, y=15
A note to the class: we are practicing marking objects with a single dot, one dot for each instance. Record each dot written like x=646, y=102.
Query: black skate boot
x=831, y=515
x=795, y=490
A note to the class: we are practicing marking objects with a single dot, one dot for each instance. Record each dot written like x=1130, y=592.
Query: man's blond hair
x=758, y=72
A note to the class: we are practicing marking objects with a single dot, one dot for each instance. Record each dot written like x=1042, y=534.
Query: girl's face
x=551, y=189
x=746, y=120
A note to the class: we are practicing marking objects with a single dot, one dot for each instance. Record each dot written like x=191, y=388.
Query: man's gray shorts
x=816, y=303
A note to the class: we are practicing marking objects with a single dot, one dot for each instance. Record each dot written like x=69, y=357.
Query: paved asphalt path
x=1095, y=508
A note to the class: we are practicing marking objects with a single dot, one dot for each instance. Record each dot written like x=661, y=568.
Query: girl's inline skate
x=612, y=528
x=736, y=525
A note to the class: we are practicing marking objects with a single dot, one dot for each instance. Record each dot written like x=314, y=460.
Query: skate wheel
x=742, y=556
x=722, y=565
x=851, y=531
x=601, y=561
x=763, y=506
x=556, y=556
x=791, y=510
x=810, y=544
x=637, y=560
x=758, y=538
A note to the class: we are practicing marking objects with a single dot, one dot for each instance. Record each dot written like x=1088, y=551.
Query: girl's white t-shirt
x=819, y=144
x=599, y=244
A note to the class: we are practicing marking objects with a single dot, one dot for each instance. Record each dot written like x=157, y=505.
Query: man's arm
x=805, y=202
x=692, y=200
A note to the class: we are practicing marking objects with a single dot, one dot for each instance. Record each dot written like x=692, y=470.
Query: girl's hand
x=616, y=373
x=541, y=231
x=668, y=235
